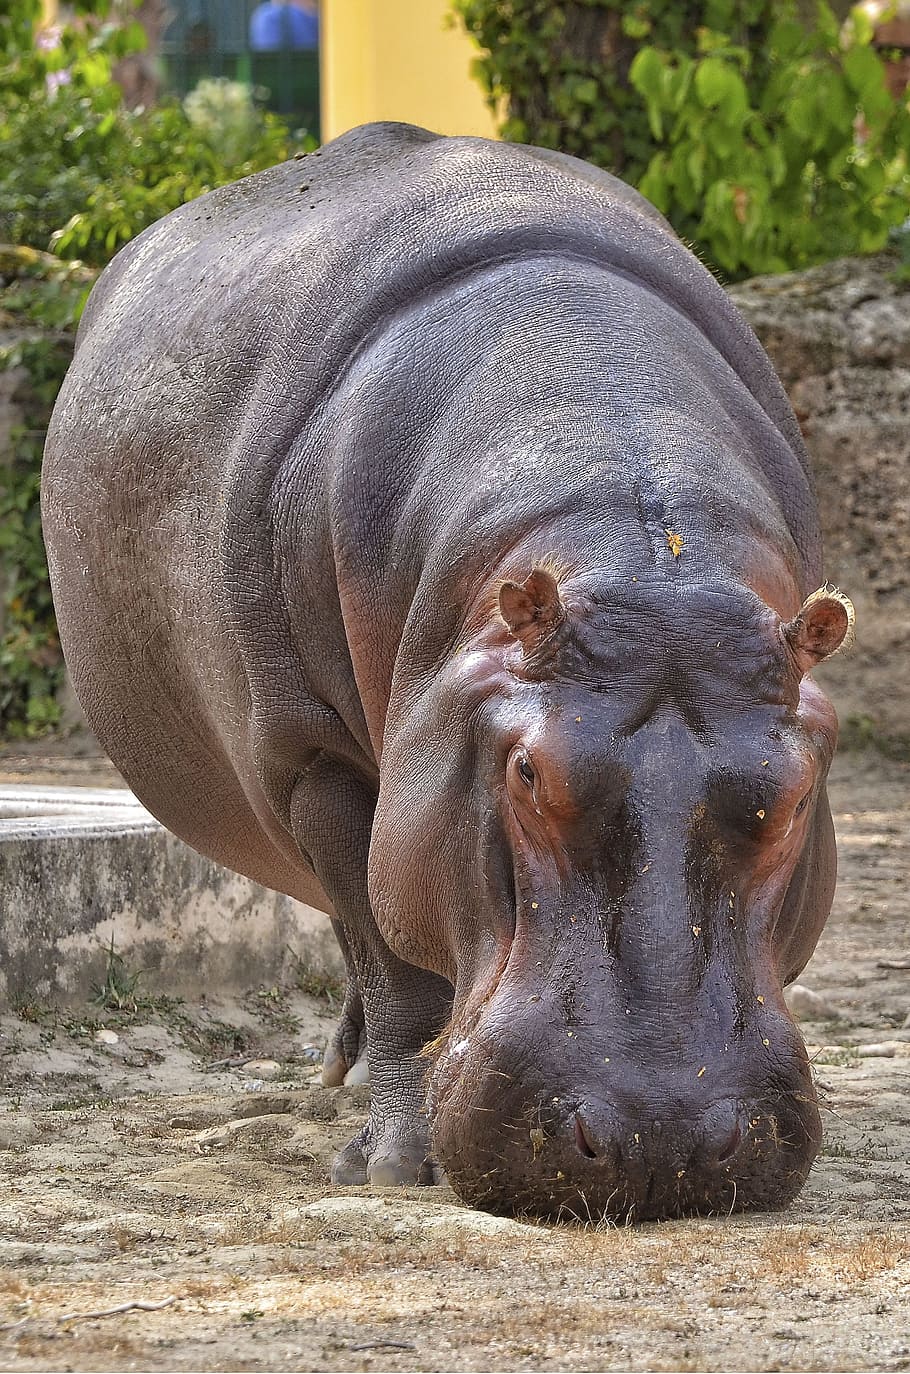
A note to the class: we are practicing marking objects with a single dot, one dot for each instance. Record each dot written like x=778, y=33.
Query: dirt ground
x=160, y=1168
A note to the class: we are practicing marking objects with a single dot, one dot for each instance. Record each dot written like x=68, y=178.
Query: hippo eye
x=802, y=805
x=526, y=772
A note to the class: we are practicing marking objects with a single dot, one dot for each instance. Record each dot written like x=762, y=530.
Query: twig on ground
x=384, y=1345
x=138, y=1305
x=233, y=1062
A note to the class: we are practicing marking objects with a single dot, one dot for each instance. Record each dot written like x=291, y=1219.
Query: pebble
x=17, y=1132
x=215, y=1136
x=261, y=1068
x=885, y=1049
x=807, y=1005
x=106, y=1037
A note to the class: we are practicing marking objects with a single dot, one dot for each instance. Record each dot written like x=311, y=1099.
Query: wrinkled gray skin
x=316, y=422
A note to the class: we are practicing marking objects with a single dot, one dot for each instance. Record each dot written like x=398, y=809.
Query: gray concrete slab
x=81, y=867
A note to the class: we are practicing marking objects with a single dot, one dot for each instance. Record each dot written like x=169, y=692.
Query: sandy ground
x=135, y=1172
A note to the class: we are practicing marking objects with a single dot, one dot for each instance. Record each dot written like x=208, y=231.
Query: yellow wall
x=396, y=59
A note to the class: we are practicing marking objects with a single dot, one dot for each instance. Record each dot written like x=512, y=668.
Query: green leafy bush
x=806, y=161
x=81, y=174
x=769, y=142
x=559, y=73
x=43, y=296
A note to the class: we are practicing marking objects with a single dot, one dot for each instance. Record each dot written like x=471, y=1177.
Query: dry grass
x=797, y=1252
x=126, y=1239
x=13, y=1287
x=200, y=1288
x=870, y=1257
x=85, y=1349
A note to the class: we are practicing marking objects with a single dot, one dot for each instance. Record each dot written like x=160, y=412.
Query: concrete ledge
x=79, y=867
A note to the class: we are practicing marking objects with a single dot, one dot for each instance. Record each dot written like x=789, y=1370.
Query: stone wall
x=839, y=336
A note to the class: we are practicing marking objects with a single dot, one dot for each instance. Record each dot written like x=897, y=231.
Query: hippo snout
x=621, y=1143
x=651, y=1167
x=710, y=1142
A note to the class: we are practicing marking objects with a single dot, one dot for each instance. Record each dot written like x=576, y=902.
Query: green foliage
x=560, y=71
x=42, y=302
x=81, y=174
x=769, y=142
x=119, y=991
x=901, y=240
x=806, y=163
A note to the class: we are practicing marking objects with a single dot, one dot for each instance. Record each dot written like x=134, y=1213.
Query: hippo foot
x=396, y=1157
x=345, y=1060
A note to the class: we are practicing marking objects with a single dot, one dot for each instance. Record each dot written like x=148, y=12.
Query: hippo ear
x=532, y=610
x=824, y=622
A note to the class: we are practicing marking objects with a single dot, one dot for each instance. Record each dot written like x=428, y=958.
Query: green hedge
x=39, y=299
x=769, y=140
x=81, y=175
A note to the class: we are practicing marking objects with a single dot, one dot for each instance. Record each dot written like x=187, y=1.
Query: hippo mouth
x=569, y=1172
x=520, y=1131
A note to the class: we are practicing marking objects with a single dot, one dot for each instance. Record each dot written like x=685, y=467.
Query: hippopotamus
x=433, y=542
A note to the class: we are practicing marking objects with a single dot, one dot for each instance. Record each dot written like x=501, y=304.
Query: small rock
x=884, y=1049
x=106, y=1037
x=17, y=1132
x=215, y=1137
x=212, y=1137
x=807, y=1005
x=262, y=1068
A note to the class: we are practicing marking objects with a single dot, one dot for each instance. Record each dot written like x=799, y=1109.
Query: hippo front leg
x=404, y=1007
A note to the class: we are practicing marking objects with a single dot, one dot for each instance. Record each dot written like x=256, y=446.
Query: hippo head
x=604, y=820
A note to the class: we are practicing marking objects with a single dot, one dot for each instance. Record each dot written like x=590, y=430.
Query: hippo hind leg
x=346, y=1053
x=402, y=1007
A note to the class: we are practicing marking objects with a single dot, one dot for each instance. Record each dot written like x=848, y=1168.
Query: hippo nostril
x=583, y=1139
x=722, y=1133
x=732, y=1145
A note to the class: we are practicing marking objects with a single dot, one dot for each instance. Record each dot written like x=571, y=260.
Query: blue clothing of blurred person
x=276, y=25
